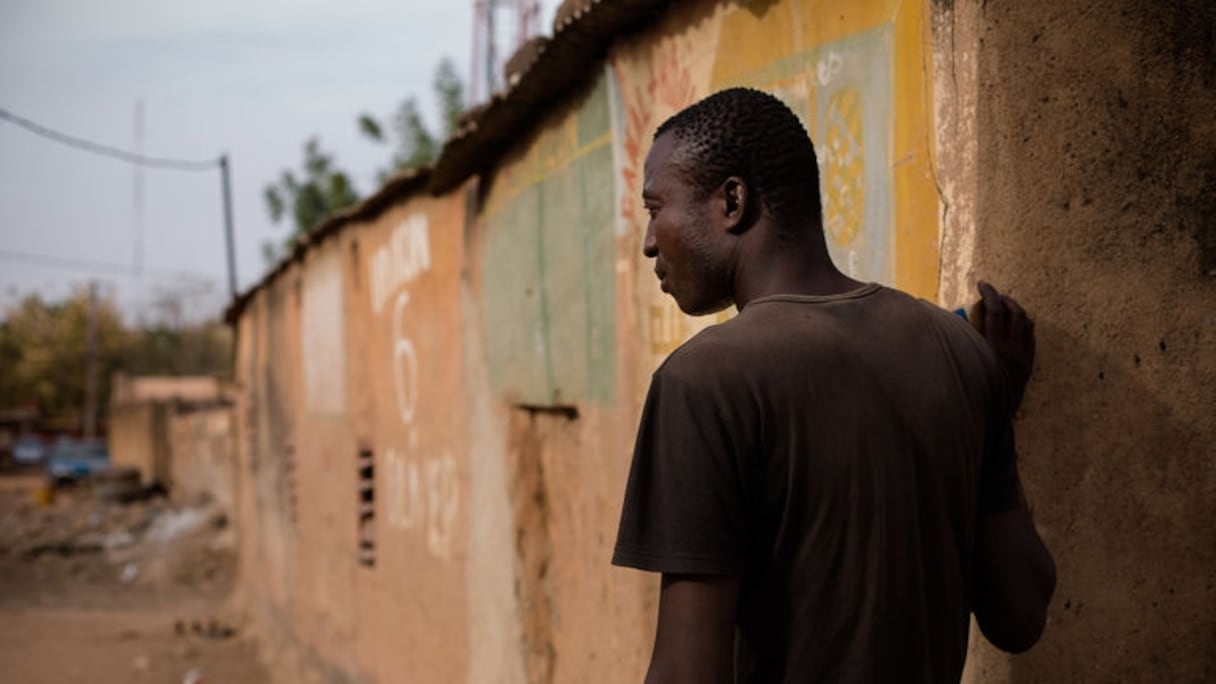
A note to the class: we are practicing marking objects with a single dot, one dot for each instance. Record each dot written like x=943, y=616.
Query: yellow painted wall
x=493, y=362
x=495, y=567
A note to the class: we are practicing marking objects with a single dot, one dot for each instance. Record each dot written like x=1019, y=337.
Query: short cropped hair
x=753, y=135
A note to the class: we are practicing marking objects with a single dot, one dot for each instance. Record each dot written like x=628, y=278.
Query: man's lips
x=662, y=276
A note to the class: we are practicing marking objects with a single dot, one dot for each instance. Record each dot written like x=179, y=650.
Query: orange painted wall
x=490, y=350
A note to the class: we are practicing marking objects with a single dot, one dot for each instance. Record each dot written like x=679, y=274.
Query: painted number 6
x=405, y=363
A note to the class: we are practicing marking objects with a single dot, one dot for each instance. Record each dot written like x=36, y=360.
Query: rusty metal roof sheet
x=582, y=33
x=397, y=188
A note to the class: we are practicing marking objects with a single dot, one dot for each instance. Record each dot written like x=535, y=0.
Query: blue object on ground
x=28, y=449
x=72, y=459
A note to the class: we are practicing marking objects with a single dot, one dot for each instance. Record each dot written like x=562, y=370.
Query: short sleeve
x=683, y=510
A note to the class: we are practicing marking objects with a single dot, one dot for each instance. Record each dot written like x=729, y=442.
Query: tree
x=309, y=198
x=415, y=145
x=43, y=353
x=44, y=357
x=322, y=189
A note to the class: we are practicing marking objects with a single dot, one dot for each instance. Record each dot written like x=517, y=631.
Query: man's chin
x=701, y=308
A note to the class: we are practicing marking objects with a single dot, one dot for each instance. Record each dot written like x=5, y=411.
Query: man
x=826, y=481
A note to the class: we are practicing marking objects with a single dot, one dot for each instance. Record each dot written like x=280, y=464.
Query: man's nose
x=650, y=248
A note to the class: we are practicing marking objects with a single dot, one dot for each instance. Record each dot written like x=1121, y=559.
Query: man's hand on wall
x=1003, y=322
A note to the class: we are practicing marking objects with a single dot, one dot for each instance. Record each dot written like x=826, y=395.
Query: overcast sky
x=253, y=79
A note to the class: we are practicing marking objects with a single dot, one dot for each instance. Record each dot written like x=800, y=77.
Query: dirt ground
x=105, y=593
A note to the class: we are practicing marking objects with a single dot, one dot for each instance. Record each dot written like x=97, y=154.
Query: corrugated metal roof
x=581, y=38
x=582, y=32
x=394, y=190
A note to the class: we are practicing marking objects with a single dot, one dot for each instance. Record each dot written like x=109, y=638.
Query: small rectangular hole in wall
x=290, y=500
x=567, y=411
x=367, y=506
x=356, y=278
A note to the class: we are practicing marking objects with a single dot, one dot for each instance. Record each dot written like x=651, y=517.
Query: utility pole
x=91, y=369
x=228, y=239
x=487, y=63
x=137, y=199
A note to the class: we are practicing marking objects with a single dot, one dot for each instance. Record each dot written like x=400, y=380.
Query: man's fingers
x=1017, y=319
x=1010, y=332
x=1015, y=309
x=996, y=316
x=988, y=293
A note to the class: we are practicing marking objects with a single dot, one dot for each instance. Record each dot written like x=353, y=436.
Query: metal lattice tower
x=488, y=36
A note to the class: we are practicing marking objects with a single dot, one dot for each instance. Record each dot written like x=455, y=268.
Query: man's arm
x=695, y=638
x=1015, y=575
x=1010, y=333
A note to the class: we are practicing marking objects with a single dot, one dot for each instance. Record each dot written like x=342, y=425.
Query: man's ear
x=736, y=204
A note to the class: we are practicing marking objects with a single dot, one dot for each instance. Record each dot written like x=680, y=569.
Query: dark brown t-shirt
x=835, y=453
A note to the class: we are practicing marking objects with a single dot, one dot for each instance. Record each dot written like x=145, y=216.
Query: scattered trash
x=118, y=540
x=78, y=544
x=63, y=547
x=89, y=556
x=214, y=629
x=44, y=496
x=117, y=484
x=173, y=524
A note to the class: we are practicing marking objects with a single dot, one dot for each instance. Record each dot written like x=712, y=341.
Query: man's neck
x=770, y=266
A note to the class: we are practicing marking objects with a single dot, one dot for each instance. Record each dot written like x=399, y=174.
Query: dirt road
x=108, y=593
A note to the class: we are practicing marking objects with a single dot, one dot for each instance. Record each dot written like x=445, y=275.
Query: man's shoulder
x=788, y=330
x=706, y=353
x=919, y=313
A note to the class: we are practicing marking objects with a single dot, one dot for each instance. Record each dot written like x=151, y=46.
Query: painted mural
x=548, y=285
x=853, y=72
x=411, y=284
x=362, y=350
x=651, y=82
x=406, y=269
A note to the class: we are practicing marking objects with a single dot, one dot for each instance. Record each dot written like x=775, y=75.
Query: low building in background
x=176, y=431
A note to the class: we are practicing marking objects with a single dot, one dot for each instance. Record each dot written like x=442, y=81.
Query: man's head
x=717, y=168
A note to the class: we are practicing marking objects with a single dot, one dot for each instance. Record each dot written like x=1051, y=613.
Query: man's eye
x=650, y=210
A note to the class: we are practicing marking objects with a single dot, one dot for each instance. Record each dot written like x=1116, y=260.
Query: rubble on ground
x=77, y=541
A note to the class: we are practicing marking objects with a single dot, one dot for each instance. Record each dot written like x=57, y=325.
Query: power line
x=155, y=162
x=91, y=266
x=106, y=150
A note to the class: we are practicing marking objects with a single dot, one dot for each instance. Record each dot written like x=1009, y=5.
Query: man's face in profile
x=692, y=257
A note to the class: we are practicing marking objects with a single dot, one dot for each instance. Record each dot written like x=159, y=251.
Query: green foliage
x=320, y=189
x=204, y=349
x=44, y=360
x=317, y=191
x=44, y=353
x=413, y=144
x=370, y=128
x=450, y=92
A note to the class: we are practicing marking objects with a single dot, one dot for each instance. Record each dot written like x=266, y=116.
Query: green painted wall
x=549, y=281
